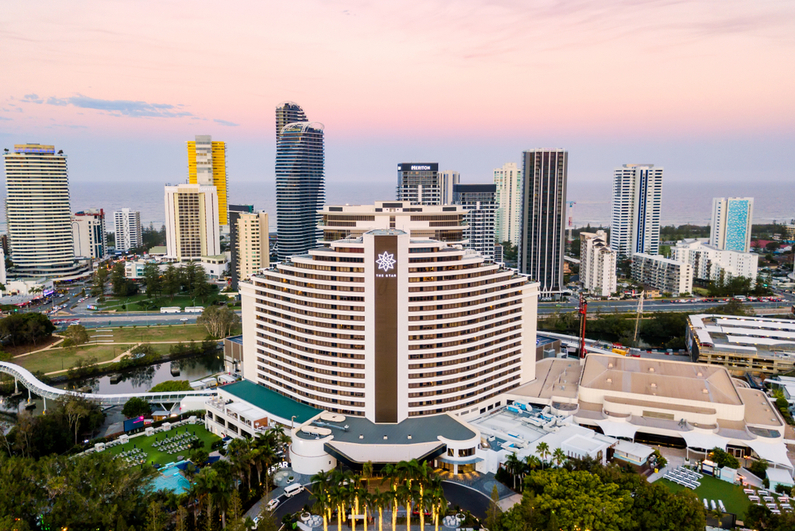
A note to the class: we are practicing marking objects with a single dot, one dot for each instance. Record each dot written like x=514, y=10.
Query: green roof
x=158, y=249
x=271, y=401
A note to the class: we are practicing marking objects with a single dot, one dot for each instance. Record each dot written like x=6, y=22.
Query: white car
x=272, y=504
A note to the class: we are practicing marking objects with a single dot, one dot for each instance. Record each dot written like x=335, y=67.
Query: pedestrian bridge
x=37, y=387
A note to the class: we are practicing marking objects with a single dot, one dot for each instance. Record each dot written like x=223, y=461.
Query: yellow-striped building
x=207, y=167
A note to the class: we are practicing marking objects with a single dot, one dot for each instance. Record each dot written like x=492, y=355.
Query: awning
x=704, y=441
x=774, y=452
x=617, y=429
x=469, y=461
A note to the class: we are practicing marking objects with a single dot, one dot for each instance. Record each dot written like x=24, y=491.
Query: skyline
x=629, y=82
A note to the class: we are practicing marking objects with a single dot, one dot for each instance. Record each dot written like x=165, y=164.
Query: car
x=184, y=319
x=272, y=504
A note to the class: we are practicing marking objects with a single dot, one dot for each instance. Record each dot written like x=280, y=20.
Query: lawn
x=155, y=455
x=733, y=496
x=142, y=302
x=179, y=332
x=60, y=359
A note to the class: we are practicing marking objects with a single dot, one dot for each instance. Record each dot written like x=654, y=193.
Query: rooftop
x=755, y=335
x=410, y=431
x=271, y=401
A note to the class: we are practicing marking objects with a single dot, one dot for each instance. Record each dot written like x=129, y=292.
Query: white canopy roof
x=705, y=441
x=773, y=452
x=617, y=429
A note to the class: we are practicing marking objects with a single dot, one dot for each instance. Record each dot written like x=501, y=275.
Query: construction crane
x=583, y=311
x=571, y=216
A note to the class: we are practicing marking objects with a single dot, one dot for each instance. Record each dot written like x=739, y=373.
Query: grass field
x=155, y=455
x=179, y=332
x=60, y=359
x=142, y=302
x=733, y=496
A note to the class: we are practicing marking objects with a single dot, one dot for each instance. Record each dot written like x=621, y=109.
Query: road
x=631, y=306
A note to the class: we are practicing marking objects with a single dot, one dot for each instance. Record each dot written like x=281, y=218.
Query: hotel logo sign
x=386, y=261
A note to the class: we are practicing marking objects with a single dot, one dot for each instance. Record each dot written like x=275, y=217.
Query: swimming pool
x=171, y=479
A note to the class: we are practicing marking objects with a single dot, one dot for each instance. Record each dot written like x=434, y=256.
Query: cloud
x=224, y=122
x=32, y=98
x=7, y=119
x=135, y=109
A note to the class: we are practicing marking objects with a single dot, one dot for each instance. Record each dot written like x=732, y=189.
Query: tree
x=542, y=449
x=171, y=385
x=759, y=469
x=493, y=512
x=75, y=408
x=100, y=280
x=218, y=320
x=152, y=279
x=723, y=458
x=76, y=335
x=559, y=457
x=136, y=407
x=171, y=281
x=514, y=466
x=201, y=287
x=117, y=280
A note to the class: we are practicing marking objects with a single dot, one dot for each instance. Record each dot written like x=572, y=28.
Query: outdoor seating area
x=685, y=477
x=133, y=457
x=777, y=503
x=176, y=443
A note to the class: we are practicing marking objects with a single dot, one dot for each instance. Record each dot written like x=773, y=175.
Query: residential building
x=192, y=228
x=742, y=343
x=127, y=225
x=288, y=112
x=38, y=214
x=234, y=214
x=419, y=183
x=598, y=264
x=664, y=274
x=252, y=244
x=713, y=264
x=440, y=223
x=447, y=181
x=88, y=234
x=731, y=223
x=637, y=200
x=388, y=326
x=542, y=241
x=508, y=220
x=207, y=167
x=300, y=184
x=480, y=204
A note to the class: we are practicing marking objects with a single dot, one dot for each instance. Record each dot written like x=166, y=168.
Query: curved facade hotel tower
x=389, y=326
x=300, y=183
x=38, y=213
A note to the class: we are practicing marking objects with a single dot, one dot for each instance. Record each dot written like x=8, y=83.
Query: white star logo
x=385, y=261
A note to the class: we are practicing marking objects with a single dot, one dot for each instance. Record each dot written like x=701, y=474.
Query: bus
x=171, y=309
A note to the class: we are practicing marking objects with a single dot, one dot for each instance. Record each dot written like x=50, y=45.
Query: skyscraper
x=252, y=244
x=235, y=211
x=637, y=198
x=300, y=182
x=447, y=180
x=192, y=228
x=127, y=224
x=38, y=213
x=509, y=203
x=88, y=234
x=479, y=202
x=207, y=167
x=288, y=112
x=419, y=183
x=731, y=223
x=541, y=243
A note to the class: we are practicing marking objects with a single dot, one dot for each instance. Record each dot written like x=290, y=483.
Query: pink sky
x=403, y=80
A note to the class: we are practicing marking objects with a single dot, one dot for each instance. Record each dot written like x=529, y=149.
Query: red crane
x=583, y=311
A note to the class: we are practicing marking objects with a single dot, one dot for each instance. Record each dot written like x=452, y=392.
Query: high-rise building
x=127, y=224
x=663, y=274
x=447, y=181
x=300, y=182
x=440, y=223
x=542, y=241
x=288, y=112
x=713, y=264
x=207, y=167
x=637, y=199
x=235, y=212
x=251, y=243
x=88, y=234
x=508, y=219
x=192, y=228
x=480, y=204
x=419, y=183
x=731, y=223
x=38, y=214
x=392, y=327
x=598, y=264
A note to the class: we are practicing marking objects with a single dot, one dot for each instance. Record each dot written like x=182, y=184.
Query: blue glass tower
x=300, y=183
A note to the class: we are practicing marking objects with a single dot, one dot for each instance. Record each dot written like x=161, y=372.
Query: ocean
x=682, y=202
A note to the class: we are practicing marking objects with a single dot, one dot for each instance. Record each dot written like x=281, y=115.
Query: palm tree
x=542, y=449
x=337, y=498
x=407, y=494
x=239, y=453
x=438, y=501
x=378, y=501
x=204, y=484
x=559, y=457
x=513, y=465
x=321, y=494
x=364, y=501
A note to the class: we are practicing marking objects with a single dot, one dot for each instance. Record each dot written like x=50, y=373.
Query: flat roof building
x=419, y=183
x=664, y=274
x=192, y=228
